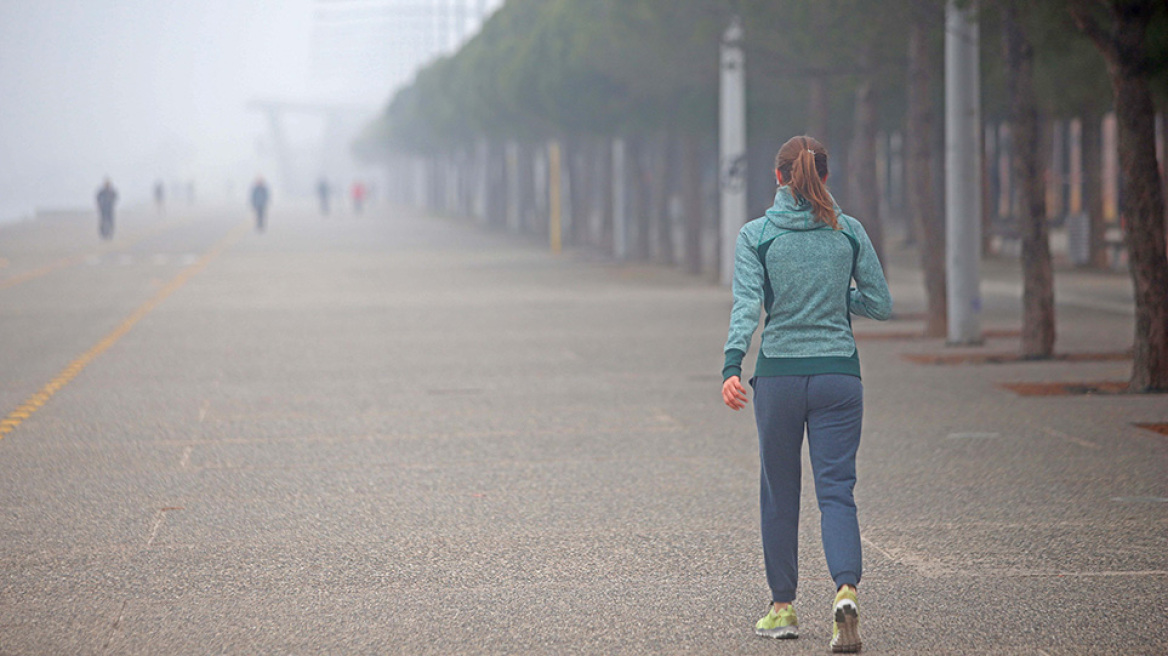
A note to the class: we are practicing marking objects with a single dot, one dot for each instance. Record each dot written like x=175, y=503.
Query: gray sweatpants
x=831, y=408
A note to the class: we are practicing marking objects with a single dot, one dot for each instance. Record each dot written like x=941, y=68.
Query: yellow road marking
x=34, y=402
x=37, y=273
x=78, y=259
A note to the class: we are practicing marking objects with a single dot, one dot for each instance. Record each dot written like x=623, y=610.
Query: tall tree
x=1091, y=136
x=1119, y=29
x=1071, y=82
x=1038, y=327
x=663, y=182
x=922, y=57
x=865, y=196
x=692, y=201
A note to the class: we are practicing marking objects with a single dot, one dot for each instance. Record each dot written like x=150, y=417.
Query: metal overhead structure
x=362, y=51
x=337, y=120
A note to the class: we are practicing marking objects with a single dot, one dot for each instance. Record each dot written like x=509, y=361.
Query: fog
x=142, y=90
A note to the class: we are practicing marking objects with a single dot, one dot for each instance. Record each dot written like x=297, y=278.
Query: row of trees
x=629, y=89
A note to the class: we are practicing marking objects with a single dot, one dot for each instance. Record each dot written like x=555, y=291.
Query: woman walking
x=798, y=263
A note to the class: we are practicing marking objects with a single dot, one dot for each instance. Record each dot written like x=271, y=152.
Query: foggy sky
x=139, y=89
x=143, y=90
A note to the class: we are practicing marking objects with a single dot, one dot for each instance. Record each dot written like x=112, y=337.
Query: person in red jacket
x=359, y=194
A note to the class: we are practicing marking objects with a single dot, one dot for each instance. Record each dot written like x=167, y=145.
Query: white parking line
x=972, y=436
x=1071, y=438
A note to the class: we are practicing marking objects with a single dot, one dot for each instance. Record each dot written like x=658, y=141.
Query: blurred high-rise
x=362, y=50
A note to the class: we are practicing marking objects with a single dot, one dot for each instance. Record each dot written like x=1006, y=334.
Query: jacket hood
x=793, y=212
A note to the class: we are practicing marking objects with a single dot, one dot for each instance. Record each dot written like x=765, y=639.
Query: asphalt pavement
x=393, y=433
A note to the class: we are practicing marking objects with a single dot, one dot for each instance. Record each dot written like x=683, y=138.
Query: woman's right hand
x=734, y=394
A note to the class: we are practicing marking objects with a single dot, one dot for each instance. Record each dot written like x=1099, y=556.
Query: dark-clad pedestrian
x=107, y=198
x=259, y=201
x=323, y=191
x=798, y=264
x=160, y=197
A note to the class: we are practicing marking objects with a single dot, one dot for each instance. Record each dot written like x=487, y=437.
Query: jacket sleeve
x=748, y=297
x=870, y=297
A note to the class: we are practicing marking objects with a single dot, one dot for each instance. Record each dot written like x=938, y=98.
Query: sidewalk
x=400, y=434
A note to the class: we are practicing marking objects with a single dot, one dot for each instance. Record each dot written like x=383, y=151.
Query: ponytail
x=803, y=163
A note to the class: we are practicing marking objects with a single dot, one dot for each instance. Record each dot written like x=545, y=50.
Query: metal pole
x=963, y=173
x=555, y=229
x=732, y=144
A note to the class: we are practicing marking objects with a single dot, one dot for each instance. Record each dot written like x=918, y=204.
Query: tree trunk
x=1163, y=159
x=919, y=168
x=906, y=211
x=607, y=205
x=692, y=197
x=641, y=182
x=1038, y=328
x=1125, y=49
x=988, y=158
x=589, y=179
x=817, y=108
x=1092, y=176
x=1143, y=221
x=662, y=184
x=865, y=196
x=587, y=229
x=536, y=219
x=495, y=190
x=576, y=189
x=523, y=185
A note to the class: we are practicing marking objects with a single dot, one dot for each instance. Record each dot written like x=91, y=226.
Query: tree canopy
x=542, y=68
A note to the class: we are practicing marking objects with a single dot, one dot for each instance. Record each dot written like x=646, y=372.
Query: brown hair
x=803, y=163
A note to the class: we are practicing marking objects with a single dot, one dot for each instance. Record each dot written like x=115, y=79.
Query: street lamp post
x=732, y=146
x=962, y=173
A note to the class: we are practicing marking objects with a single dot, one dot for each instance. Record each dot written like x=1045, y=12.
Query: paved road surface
x=398, y=434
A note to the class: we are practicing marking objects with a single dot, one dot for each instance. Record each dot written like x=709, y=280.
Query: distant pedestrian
x=160, y=197
x=107, y=197
x=798, y=263
x=323, y=191
x=259, y=201
x=358, y=191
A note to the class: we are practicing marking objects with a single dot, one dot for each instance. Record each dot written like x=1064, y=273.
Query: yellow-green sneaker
x=783, y=624
x=845, y=631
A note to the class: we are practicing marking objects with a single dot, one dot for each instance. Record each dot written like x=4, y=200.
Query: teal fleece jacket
x=800, y=271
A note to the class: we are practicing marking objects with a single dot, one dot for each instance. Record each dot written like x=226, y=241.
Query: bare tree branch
x=1083, y=15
